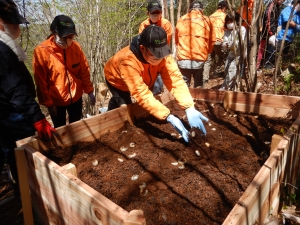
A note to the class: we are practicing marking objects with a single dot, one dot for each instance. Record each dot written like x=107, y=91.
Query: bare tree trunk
x=172, y=23
x=162, y=8
x=179, y=3
x=188, y=4
x=166, y=10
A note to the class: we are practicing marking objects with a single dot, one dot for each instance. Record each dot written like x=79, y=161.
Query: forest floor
x=203, y=192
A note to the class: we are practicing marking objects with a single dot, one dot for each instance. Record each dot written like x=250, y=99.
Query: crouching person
x=133, y=70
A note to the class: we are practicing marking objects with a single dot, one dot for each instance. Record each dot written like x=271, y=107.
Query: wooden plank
x=24, y=186
x=215, y=96
x=264, y=104
x=275, y=141
x=263, y=193
x=71, y=168
x=73, y=199
x=90, y=129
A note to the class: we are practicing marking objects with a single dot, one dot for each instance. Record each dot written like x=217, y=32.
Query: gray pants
x=231, y=73
x=216, y=57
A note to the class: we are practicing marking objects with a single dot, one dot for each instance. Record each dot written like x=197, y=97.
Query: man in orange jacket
x=247, y=12
x=217, y=55
x=132, y=71
x=154, y=11
x=62, y=73
x=194, y=41
x=155, y=17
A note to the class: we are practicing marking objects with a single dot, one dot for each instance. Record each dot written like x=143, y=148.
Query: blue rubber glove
x=195, y=119
x=177, y=124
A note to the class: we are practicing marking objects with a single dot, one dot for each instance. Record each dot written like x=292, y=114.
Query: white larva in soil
x=132, y=145
x=212, y=105
x=124, y=131
x=143, y=192
x=213, y=129
x=123, y=148
x=173, y=134
x=135, y=177
x=197, y=153
x=193, y=133
x=132, y=155
x=207, y=144
x=143, y=185
x=181, y=167
x=234, y=115
x=120, y=160
x=174, y=163
x=209, y=124
x=267, y=142
x=95, y=162
x=181, y=161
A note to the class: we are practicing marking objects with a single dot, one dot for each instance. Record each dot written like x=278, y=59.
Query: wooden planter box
x=59, y=197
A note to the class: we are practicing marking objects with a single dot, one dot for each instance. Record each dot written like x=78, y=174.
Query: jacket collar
x=135, y=48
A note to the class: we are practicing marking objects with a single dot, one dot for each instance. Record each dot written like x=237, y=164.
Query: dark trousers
x=196, y=73
x=271, y=51
x=118, y=97
x=15, y=127
x=74, y=111
x=158, y=86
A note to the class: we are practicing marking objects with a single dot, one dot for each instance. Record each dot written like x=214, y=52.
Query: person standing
x=61, y=73
x=194, y=41
x=231, y=42
x=20, y=114
x=294, y=27
x=132, y=70
x=154, y=12
x=217, y=56
x=269, y=30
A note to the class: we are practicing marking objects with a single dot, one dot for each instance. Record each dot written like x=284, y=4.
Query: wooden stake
x=24, y=186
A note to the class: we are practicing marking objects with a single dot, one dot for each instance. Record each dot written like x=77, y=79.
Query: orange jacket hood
x=127, y=73
x=193, y=37
x=56, y=83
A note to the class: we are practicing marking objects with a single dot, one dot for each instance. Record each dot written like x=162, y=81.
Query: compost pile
x=148, y=166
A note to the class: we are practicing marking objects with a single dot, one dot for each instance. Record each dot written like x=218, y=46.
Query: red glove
x=45, y=130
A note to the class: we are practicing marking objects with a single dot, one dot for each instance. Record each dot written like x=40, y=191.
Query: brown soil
x=204, y=191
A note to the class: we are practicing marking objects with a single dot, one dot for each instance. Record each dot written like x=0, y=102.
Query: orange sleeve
x=131, y=73
x=168, y=28
x=85, y=73
x=212, y=38
x=174, y=82
x=41, y=76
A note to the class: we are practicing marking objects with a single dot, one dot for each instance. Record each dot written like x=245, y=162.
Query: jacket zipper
x=150, y=74
x=65, y=58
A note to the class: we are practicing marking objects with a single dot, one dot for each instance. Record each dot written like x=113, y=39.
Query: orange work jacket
x=125, y=72
x=164, y=23
x=56, y=82
x=193, y=37
x=218, y=21
x=247, y=9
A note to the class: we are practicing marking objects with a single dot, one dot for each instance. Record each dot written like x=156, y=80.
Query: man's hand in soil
x=195, y=119
x=177, y=124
